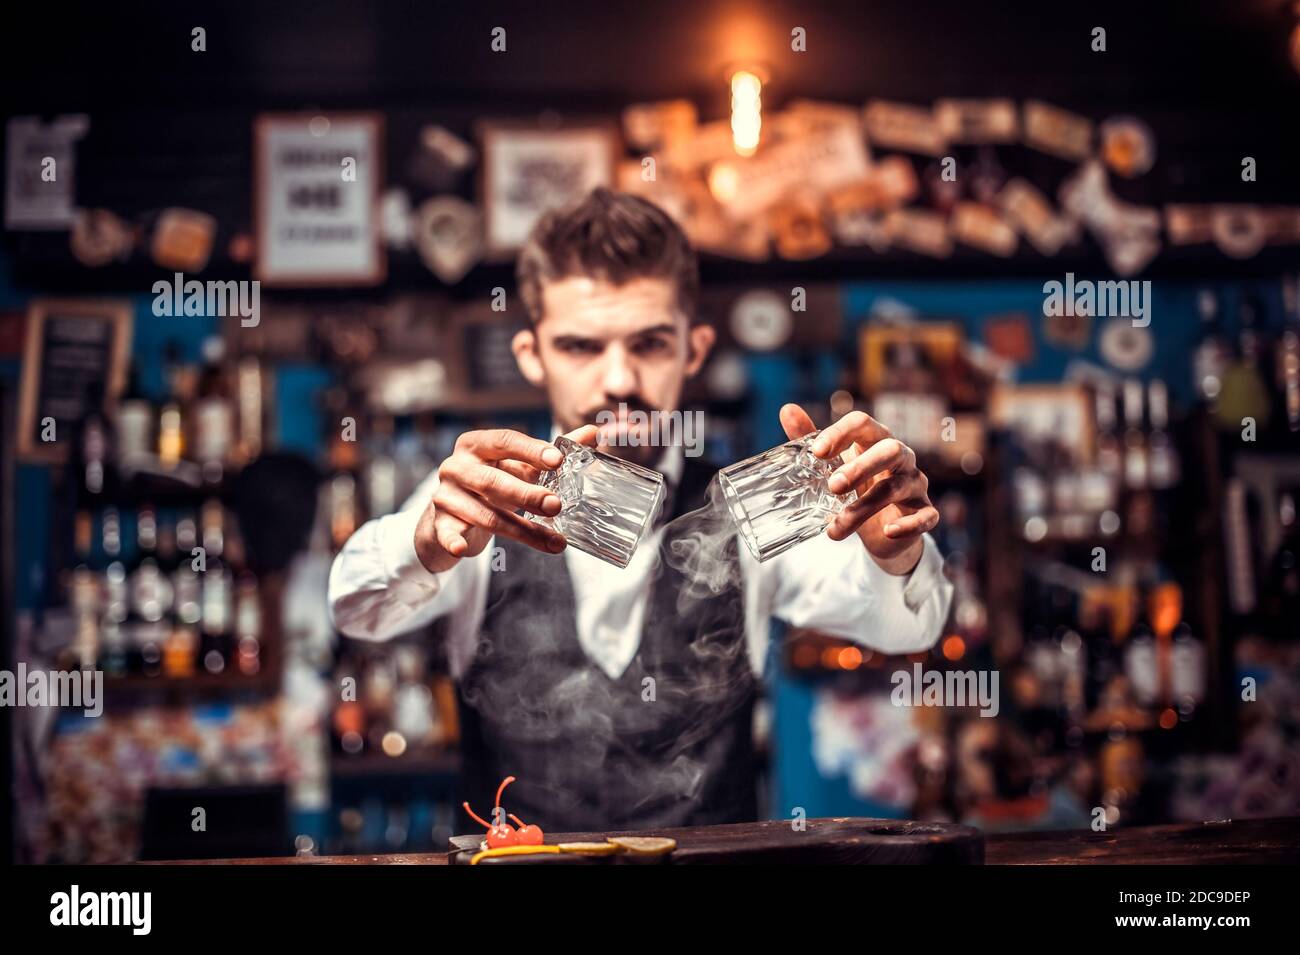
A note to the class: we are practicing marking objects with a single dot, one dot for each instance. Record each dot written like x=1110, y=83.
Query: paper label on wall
x=1057, y=131
x=655, y=125
x=40, y=172
x=832, y=157
x=318, y=216
x=1189, y=224
x=979, y=226
x=920, y=231
x=1281, y=225
x=1031, y=212
x=978, y=120
x=912, y=129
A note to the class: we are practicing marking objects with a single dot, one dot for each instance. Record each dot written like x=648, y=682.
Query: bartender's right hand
x=488, y=478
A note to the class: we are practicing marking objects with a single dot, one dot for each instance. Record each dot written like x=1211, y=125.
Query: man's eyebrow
x=666, y=327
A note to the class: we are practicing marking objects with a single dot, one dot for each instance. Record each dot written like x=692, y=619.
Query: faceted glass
x=608, y=503
x=779, y=498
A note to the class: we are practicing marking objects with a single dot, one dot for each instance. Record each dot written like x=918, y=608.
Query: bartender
x=622, y=698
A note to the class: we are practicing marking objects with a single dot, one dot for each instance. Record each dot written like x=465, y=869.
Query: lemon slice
x=513, y=851
x=589, y=848
x=645, y=845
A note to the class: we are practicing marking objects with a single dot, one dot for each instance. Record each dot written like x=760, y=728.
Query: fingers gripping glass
x=608, y=503
x=780, y=498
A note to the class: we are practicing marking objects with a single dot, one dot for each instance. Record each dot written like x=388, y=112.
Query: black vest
x=668, y=743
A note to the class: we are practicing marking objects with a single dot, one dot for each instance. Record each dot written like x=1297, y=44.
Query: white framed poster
x=40, y=171
x=317, y=183
x=529, y=170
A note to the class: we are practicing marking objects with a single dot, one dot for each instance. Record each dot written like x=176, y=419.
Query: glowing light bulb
x=746, y=111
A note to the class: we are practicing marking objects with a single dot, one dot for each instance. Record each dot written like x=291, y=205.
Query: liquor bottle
x=1245, y=394
x=213, y=418
x=248, y=389
x=93, y=460
x=171, y=423
x=135, y=426
x=1164, y=468
x=1210, y=360
x=1140, y=662
x=113, y=654
x=1288, y=354
x=85, y=597
x=215, y=626
x=1188, y=671
x=381, y=469
x=248, y=625
x=1280, y=587
x=1137, y=468
x=349, y=714
x=186, y=582
x=117, y=602
x=150, y=595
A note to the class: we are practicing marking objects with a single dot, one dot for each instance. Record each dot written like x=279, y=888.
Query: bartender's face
x=617, y=348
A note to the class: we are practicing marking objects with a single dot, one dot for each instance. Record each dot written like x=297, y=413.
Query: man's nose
x=619, y=379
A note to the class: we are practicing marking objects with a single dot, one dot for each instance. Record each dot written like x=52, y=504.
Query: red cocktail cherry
x=502, y=833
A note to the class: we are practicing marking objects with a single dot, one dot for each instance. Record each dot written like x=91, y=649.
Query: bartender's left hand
x=893, y=507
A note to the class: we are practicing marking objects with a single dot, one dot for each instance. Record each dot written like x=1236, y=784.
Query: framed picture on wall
x=909, y=358
x=75, y=359
x=1061, y=412
x=317, y=183
x=482, y=372
x=528, y=170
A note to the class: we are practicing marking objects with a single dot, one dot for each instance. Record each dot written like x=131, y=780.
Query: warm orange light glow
x=954, y=648
x=746, y=111
x=831, y=658
x=724, y=181
x=1168, y=718
x=1166, y=608
x=850, y=658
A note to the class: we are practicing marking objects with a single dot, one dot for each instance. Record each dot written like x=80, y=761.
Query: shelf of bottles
x=161, y=587
x=1113, y=590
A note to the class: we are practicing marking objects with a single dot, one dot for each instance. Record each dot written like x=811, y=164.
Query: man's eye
x=579, y=348
x=650, y=346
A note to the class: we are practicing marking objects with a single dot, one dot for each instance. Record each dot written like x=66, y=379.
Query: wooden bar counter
x=1247, y=841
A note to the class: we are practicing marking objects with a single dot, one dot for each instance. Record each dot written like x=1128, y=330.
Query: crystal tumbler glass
x=779, y=498
x=608, y=503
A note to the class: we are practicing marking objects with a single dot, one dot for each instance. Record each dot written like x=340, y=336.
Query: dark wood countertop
x=1267, y=841
x=1237, y=842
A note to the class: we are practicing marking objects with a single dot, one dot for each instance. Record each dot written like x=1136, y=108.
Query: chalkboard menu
x=492, y=365
x=481, y=363
x=75, y=356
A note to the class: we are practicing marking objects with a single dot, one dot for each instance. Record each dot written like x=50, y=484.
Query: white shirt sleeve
x=836, y=587
x=379, y=589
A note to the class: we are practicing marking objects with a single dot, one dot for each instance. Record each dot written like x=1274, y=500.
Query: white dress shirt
x=378, y=589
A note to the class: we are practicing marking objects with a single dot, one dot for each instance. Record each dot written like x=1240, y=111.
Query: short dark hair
x=611, y=236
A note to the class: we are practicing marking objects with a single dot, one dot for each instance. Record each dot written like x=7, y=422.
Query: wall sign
x=75, y=358
x=40, y=171
x=528, y=171
x=318, y=179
